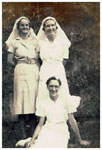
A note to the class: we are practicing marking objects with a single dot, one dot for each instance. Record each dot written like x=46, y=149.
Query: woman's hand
x=29, y=144
x=11, y=59
x=36, y=132
x=84, y=143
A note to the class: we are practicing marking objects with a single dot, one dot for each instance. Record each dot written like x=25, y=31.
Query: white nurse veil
x=15, y=33
x=60, y=33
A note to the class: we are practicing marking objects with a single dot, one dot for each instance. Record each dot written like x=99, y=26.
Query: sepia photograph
x=50, y=74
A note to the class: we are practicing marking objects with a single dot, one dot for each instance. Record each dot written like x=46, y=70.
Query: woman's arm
x=10, y=59
x=36, y=132
x=74, y=126
x=65, y=61
x=37, y=45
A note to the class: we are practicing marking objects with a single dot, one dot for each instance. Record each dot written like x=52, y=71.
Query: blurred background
x=81, y=23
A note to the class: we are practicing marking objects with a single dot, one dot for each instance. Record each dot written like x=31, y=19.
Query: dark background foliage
x=81, y=23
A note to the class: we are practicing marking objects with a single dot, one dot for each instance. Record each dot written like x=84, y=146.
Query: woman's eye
x=47, y=26
x=24, y=25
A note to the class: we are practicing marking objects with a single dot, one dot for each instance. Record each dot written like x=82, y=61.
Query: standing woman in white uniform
x=23, y=55
x=54, y=49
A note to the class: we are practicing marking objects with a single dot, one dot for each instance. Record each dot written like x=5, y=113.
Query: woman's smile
x=24, y=26
x=53, y=89
x=50, y=28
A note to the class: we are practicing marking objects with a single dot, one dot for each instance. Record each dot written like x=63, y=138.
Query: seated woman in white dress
x=53, y=132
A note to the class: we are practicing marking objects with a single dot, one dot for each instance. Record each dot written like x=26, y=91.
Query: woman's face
x=53, y=88
x=24, y=26
x=50, y=28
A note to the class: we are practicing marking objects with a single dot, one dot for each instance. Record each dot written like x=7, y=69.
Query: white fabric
x=15, y=33
x=55, y=112
x=52, y=136
x=25, y=88
x=25, y=75
x=70, y=105
x=57, y=50
x=60, y=33
x=54, y=133
x=25, y=78
x=52, y=55
x=23, y=48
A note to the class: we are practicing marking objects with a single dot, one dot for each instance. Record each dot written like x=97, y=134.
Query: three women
x=53, y=50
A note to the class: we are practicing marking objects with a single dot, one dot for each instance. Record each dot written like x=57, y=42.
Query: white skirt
x=51, y=136
x=25, y=88
x=55, y=68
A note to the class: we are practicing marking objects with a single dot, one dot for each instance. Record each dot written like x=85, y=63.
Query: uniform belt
x=27, y=60
x=61, y=122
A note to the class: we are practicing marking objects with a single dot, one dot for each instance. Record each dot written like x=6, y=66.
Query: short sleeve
x=40, y=111
x=66, y=46
x=73, y=104
x=12, y=47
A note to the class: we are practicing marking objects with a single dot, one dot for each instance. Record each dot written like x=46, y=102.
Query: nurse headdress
x=15, y=33
x=60, y=33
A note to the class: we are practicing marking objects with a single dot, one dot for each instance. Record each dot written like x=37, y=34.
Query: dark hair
x=18, y=24
x=47, y=20
x=53, y=78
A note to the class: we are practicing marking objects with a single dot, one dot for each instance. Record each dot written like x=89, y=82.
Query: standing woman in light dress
x=54, y=49
x=23, y=55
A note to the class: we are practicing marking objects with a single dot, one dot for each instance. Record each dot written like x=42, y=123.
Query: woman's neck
x=24, y=36
x=54, y=98
x=51, y=38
